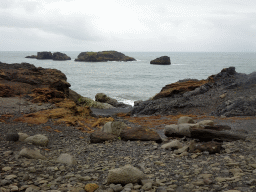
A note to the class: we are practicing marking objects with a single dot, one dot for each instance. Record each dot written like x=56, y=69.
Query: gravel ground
x=233, y=169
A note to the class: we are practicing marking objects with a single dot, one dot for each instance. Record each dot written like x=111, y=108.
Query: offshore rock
x=44, y=55
x=48, y=55
x=164, y=60
x=60, y=56
x=103, y=56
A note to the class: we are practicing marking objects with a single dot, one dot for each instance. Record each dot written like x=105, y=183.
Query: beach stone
x=6, y=168
x=23, y=136
x=140, y=133
x=175, y=144
x=185, y=119
x=66, y=159
x=10, y=177
x=184, y=129
x=125, y=175
x=116, y=188
x=12, y=137
x=147, y=186
x=91, y=187
x=38, y=139
x=31, y=153
x=100, y=137
x=114, y=127
x=181, y=150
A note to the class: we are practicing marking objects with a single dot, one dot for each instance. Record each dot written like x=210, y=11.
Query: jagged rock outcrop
x=164, y=60
x=48, y=55
x=227, y=93
x=103, y=56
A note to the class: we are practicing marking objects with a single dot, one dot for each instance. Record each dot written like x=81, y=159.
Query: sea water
x=137, y=80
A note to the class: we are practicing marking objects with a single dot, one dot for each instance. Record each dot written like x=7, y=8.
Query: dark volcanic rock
x=60, y=56
x=44, y=55
x=140, y=133
x=227, y=93
x=103, y=56
x=164, y=60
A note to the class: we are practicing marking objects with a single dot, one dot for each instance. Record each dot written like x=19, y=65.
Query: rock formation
x=103, y=56
x=44, y=55
x=60, y=56
x=164, y=60
x=48, y=55
x=19, y=79
x=227, y=93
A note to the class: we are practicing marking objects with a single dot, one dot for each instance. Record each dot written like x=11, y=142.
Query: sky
x=128, y=25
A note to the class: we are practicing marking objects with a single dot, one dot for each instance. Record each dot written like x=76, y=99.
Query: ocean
x=137, y=80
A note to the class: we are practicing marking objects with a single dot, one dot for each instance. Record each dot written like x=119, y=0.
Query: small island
x=48, y=55
x=164, y=60
x=103, y=56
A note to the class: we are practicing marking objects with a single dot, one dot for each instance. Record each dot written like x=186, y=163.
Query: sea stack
x=164, y=60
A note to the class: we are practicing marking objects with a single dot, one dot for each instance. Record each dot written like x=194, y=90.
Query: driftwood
x=208, y=135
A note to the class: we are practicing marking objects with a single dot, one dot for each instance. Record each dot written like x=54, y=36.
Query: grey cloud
x=76, y=27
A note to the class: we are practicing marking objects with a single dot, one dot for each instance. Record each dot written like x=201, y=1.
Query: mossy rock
x=85, y=101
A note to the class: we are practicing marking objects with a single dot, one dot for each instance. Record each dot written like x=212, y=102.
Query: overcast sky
x=128, y=25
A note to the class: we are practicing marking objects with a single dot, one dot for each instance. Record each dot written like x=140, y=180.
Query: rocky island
x=57, y=56
x=164, y=60
x=103, y=56
x=51, y=139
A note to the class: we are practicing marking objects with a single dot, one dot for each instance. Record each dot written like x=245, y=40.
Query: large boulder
x=44, y=55
x=60, y=56
x=125, y=175
x=140, y=133
x=164, y=60
x=103, y=56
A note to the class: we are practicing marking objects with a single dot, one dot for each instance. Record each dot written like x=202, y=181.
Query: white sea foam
x=125, y=101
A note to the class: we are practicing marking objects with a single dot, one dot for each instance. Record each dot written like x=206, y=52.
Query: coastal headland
x=194, y=135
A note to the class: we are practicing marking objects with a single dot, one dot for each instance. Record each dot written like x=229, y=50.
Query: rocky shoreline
x=65, y=159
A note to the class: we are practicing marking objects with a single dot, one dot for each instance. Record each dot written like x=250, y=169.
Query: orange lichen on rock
x=68, y=113
x=102, y=121
x=6, y=91
x=47, y=95
x=179, y=88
